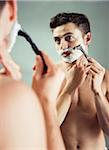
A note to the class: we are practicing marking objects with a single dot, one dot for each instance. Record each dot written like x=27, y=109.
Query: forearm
x=102, y=106
x=54, y=138
x=66, y=92
x=63, y=103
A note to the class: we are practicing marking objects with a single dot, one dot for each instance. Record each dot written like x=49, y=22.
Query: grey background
x=34, y=17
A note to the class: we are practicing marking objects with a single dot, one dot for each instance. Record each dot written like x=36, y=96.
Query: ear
x=88, y=38
x=8, y=15
x=7, y=18
x=12, y=6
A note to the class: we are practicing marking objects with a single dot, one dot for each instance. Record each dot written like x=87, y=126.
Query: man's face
x=68, y=36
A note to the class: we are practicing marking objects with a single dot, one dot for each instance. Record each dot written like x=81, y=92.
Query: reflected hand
x=97, y=72
x=47, y=85
x=10, y=68
x=76, y=75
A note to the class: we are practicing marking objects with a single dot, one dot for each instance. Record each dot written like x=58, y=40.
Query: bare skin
x=86, y=87
x=28, y=119
x=21, y=117
x=42, y=85
x=81, y=122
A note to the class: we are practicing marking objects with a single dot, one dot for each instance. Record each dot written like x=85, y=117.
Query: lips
x=66, y=53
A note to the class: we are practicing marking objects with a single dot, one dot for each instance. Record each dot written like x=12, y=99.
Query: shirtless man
x=28, y=120
x=83, y=103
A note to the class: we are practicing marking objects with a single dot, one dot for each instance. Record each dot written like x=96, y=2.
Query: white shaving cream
x=13, y=35
x=69, y=55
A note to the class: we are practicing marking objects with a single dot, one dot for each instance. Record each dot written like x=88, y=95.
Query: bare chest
x=82, y=119
x=82, y=112
x=81, y=124
x=84, y=100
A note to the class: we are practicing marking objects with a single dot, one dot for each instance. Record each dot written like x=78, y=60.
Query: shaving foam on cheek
x=13, y=35
x=74, y=55
x=69, y=55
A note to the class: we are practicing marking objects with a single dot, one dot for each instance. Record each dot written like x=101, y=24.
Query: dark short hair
x=2, y=4
x=78, y=19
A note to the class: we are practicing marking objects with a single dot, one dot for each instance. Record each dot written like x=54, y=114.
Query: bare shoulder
x=18, y=94
x=16, y=90
x=21, y=114
x=107, y=78
x=107, y=73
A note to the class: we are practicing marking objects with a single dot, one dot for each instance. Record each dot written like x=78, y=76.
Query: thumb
x=39, y=67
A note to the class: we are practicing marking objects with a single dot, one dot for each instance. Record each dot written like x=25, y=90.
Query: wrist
x=70, y=89
x=48, y=103
x=98, y=91
x=49, y=107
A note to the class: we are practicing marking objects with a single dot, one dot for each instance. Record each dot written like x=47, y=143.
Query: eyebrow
x=63, y=35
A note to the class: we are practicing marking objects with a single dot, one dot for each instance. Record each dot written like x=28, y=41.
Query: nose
x=64, y=44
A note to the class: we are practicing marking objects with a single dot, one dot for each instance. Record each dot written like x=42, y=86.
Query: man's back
x=21, y=117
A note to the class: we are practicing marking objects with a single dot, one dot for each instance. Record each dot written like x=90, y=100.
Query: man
x=27, y=120
x=83, y=102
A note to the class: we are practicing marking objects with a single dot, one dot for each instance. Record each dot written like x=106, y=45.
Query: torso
x=80, y=129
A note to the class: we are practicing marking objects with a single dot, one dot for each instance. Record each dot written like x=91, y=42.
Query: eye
x=69, y=38
x=57, y=40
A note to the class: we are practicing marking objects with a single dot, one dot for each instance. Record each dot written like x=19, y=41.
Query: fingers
x=39, y=64
x=49, y=62
x=95, y=68
x=93, y=62
x=92, y=73
x=10, y=69
x=78, y=62
x=81, y=64
x=87, y=68
x=89, y=77
x=38, y=68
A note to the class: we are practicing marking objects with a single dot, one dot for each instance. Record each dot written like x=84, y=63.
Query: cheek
x=1, y=33
x=57, y=46
x=1, y=37
x=75, y=42
x=80, y=41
